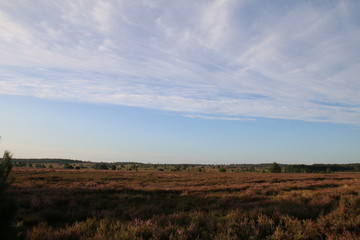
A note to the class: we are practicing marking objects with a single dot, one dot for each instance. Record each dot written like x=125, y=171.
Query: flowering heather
x=90, y=204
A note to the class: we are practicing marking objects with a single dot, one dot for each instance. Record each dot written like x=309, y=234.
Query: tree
x=68, y=166
x=275, y=168
x=5, y=169
x=7, y=204
x=101, y=166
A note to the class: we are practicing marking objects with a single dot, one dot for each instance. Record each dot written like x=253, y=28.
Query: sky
x=218, y=82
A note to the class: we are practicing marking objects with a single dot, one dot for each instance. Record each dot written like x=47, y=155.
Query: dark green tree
x=5, y=169
x=68, y=166
x=275, y=168
x=7, y=205
x=101, y=166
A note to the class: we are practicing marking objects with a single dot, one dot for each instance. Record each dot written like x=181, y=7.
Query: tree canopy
x=275, y=168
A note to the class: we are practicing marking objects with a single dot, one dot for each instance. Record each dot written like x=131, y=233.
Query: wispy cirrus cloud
x=230, y=59
x=220, y=118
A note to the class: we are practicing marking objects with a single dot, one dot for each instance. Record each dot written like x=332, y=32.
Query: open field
x=95, y=204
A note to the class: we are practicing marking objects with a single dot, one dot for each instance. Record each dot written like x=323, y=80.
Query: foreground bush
x=341, y=223
x=201, y=225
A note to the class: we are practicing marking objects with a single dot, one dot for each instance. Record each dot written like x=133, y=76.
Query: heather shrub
x=344, y=219
x=68, y=204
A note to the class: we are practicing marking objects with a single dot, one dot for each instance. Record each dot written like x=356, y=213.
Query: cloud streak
x=230, y=59
x=220, y=118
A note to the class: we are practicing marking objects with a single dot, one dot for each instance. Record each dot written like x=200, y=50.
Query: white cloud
x=220, y=118
x=220, y=58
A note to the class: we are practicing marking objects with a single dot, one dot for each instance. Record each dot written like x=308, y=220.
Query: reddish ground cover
x=89, y=204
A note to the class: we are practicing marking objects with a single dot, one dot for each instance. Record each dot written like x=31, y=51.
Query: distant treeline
x=265, y=167
x=47, y=160
x=314, y=168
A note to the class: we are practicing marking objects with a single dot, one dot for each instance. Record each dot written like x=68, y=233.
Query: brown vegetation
x=90, y=204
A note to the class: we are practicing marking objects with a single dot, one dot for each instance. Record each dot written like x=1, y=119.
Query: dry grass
x=89, y=204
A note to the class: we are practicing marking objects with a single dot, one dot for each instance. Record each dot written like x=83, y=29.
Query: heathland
x=184, y=204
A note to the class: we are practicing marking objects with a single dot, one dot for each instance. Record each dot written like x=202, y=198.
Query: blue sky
x=186, y=81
